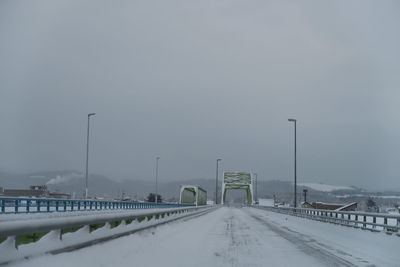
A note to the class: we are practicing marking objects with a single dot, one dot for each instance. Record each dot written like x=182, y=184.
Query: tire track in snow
x=306, y=244
x=250, y=244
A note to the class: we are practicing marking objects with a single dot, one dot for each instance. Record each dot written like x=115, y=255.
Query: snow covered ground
x=269, y=202
x=237, y=237
x=325, y=187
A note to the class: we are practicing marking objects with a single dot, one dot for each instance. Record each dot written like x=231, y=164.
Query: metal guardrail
x=109, y=226
x=364, y=220
x=33, y=205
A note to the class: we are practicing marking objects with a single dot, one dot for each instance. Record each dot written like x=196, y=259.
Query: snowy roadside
x=358, y=246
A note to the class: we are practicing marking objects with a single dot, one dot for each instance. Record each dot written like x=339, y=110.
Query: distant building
x=37, y=191
x=306, y=205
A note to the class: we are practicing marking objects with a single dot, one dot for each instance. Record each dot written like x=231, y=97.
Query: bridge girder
x=238, y=181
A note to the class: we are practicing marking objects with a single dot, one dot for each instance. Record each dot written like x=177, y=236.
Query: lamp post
x=216, y=183
x=295, y=167
x=256, y=198
x=87, y=154
x=305, y=195
x=156, y=197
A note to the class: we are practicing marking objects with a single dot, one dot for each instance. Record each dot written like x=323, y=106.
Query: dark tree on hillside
x=152, y=198
x=371, y=204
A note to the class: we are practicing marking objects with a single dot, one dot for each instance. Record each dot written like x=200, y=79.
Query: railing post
x=356, y=219
x=48, y=205
x=65, y=205
x=16, y=205
x=365, y=220
x=374, y=221
x=57, y=205
x=38, y=205
x=3, y=205
x=28, y=205
x=385, y=222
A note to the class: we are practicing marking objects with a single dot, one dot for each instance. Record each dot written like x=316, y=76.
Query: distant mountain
x=73, y=182
x=326, y=187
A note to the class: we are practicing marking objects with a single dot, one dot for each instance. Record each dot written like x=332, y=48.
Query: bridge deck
x=238, y=237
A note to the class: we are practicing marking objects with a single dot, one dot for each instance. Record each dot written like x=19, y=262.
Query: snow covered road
x=237, y=237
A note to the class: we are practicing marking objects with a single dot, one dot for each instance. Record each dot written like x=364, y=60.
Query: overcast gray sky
x=191, y=81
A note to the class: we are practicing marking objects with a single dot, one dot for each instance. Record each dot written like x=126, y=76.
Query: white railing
x=390, y=223
x=58, y=234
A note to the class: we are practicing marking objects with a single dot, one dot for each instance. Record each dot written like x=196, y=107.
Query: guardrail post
x=3, y=206
x=16, y=205
x=374, y=221
x=65, y=205
x=11, y=241
x=38, y=205
x=57, y=205
x=385, y=222
x=79, y=205
x=356, y=219
x=365, y=220
x=48, y=205
x=28, y=205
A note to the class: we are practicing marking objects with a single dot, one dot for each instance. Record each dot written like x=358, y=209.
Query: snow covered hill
x=325, y=187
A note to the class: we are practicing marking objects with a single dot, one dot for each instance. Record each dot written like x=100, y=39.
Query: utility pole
x=295, y=167
x=216, y=183
x=156, y=199
x=256, y=198
x=87, y=155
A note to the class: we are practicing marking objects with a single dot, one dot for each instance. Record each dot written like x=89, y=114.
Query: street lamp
x=87, y=154
x=156, y=199
x=295, y=167
x=216, y=183
x=255, y=174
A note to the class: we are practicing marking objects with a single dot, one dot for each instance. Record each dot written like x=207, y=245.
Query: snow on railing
x=31, y=205
x=390, y=223
x=58, y=234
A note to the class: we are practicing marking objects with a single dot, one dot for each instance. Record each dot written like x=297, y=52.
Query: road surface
x=237, y=237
